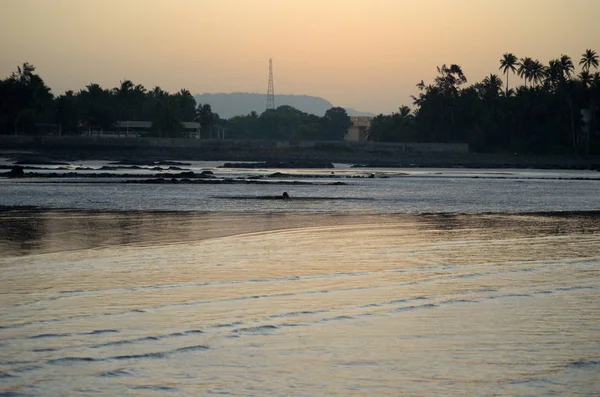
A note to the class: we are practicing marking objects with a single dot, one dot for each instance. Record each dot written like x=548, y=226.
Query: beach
x=410, y=282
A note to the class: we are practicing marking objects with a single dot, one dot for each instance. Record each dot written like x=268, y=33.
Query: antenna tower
x=270, y=90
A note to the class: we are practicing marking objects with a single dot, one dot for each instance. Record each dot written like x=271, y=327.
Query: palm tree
x=566, y=65
x=491, y=87
x=404, y=112
x=524, y=70
x=585, y=77
x=509, y=62
x=537, y=72
x=588, y=60
x=123, y=94
x=554, y=73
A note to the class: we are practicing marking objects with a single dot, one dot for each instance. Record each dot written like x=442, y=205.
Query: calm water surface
x=302, y=302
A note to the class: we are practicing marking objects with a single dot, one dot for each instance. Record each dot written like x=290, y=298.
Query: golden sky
x=366, y=54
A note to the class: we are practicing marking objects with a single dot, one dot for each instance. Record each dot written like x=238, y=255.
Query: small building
x=132, y=128
x=358, y=130
x=191, y=129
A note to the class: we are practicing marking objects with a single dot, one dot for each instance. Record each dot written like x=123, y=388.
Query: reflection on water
x=299, y=304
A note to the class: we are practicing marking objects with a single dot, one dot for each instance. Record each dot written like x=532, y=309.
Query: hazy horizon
x=367, y=55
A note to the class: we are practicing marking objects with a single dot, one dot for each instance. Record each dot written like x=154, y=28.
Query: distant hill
x=242, y=103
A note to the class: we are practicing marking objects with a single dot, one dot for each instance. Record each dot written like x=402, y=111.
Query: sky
x=365, y=54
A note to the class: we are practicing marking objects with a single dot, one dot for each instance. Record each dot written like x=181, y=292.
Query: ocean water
x=436, y=282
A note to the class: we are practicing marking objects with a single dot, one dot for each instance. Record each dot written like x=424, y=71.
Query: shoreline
x=357, y=158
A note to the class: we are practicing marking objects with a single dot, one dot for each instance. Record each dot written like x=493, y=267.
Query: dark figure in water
x=285, y=195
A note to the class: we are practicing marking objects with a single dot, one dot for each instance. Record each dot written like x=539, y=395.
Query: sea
x=365, y=282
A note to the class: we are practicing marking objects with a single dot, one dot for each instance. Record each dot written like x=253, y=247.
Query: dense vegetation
x=544, y=115
x=27, y=106
x=554, y=111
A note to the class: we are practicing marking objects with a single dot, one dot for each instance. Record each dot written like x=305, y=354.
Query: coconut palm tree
x=537, y=72
x=588, y=60
x=554, y=73
x=524, y=69
x=566, y=65
x=585, y=77
x=123, y=94
x=404, y=112
x=491, y=87
x=509, y=62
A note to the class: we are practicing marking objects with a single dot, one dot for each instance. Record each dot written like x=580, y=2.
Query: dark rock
x=188, y=174
x=16, y=172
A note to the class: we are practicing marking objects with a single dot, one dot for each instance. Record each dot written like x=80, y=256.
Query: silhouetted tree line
x=289, y=123
x=27, y=106
x=555, y=111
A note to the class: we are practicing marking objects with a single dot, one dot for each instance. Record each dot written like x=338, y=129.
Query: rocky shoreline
x=296, y=158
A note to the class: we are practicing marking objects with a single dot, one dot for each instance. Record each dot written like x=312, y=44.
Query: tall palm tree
x=509, y=62
x=123, y=94
x=524, y=70
x=588, y=60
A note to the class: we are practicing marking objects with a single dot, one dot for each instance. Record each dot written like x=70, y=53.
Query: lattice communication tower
x=270, y=90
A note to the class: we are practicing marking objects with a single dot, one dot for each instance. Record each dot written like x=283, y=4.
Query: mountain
x=242, y=103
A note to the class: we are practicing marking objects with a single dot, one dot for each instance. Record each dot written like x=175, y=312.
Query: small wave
x=484, y=290
x=360, y=363
x=147, y=338
x=574, y=288
x=292, y=325
x=184, y=333
x=160, y=354
x=40, y=336
x=126, y=342
x=113, y=374
x=101, y=331
x=337, y=318
x=296, y=314
x=450, y=301
x=470, y=275
x=49, y=349
x=72, y=360
x=510, y=296
x=6, y=375
x=583, y=363
x=155, y=388
x=226, y=325
x=193, y=331
x=415, y=307
x=259, y=328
